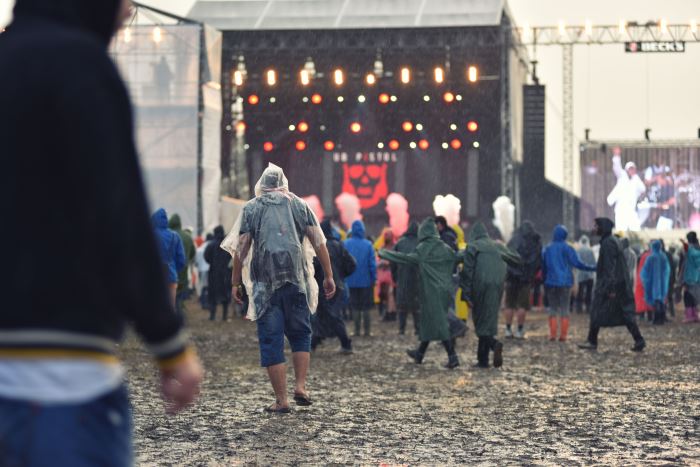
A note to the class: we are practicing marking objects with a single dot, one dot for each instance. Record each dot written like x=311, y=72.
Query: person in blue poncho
x=656, y=275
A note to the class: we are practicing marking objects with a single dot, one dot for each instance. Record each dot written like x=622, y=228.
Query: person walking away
x=361, y=282
x=63, y=400
x=273, y=243
x=613, y=301
x=203, y=270
x=183, y=281
x=585, y=278
x=219, y=274
x=656, y=278
x=691, y=277
x=644, y=309
x=435, y=261
x=521, y=278
x=558, y=260
x=328, y=321
x=407, y=280
x=630, y=258
x=672, y=279
x=171, y=250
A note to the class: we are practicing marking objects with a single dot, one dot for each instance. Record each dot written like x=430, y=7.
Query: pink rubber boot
x=691, y=315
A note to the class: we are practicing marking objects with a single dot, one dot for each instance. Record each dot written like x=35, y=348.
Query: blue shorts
x=288, y=315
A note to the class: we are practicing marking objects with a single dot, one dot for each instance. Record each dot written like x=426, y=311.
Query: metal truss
x=618, y=34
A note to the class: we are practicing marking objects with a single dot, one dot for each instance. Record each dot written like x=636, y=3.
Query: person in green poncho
x=482, y=279
x=175, y=224
x=436, y=262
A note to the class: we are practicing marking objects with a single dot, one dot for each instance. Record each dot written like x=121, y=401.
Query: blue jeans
x=288, y=315
x=78, y=435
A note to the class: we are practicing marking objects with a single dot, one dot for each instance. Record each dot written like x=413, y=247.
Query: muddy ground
x=551, y=403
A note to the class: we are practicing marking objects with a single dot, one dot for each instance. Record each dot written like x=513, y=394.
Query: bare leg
x=521, y=316
x=508, y=314
x=301, y=361
x=278, y=378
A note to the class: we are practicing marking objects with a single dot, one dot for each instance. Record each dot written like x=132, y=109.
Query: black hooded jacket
x=342, y=262
x=528, y=244
x=71, y=191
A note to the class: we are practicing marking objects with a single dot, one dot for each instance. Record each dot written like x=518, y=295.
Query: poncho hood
x=559, y=234
x=478, y=232
x=656, y=246
x=605, y=225
x=427, y=230
x=160, y=219
x=357, y=230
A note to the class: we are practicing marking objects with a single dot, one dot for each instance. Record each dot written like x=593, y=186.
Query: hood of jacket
x=175, y=223
x=559, y=234
x=412, y=230
x=585, y=241
x=605, y=225
x=97, y=17
x=478, y=232
x=219, y=233
x=357, y=230
x=656, y=246
x=160, y=219
x=427, y=230
x=327, y=229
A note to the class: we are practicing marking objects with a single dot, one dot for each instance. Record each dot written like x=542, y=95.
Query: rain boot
x=418, y=354
x=453, y=360
x=482, y=353
x=564, y=329
x=552, y=328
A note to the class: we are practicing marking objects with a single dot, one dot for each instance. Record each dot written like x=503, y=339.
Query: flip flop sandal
x=276, y=409
x=302, y=400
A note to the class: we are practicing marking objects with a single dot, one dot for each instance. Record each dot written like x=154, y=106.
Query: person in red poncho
x=641, y=306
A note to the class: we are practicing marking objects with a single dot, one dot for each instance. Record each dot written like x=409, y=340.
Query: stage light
x=240, y=126
x=405, y=75
x=449, y=97
x=412, y=145
x=273, y=100
x=355, y=127
x=329, y=146
x=127, y=34
x=305, y=99
x=378, y=66
x=562, y=27
x=384, y=98
x=238, y=78
x=157, y=35
x=394, y=98
x=393, y=145
x=341, y=98
x=476, y=144
x=246, y=146
x=588, y=27
x=316, y=99
x=407, y=126
x=253, y=99
x=370, y=79
x=310, y=68
x=361, y=99
x=300, y=145
x=694, y=26
x=271, y=77
x=268, y=146
x=322, y=128
x=622, y=26
x=292, y=127
x=456, y=144
x=439, y=75
x=423, y=144
x=419, y=127
x=304, y=77
x=445, y=145
x=472, y=126
x=380, y=145
x=338, y=77
x=458, y=97
x=453, y=127
x=303, y=127
x=472, y=74
x=426, y=98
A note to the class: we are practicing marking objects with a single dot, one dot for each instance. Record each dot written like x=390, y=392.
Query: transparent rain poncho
x=275, y=238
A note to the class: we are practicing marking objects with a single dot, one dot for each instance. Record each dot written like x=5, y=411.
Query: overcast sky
x=616, y=95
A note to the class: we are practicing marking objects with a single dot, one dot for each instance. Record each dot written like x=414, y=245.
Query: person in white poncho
x=273, y=244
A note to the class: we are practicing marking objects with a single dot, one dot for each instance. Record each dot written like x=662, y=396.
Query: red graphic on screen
x=367, y=182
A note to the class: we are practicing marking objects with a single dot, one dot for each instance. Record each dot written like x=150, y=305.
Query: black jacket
x=528, y=244
x=71, y=190
x=342, y=263
x=219, y=269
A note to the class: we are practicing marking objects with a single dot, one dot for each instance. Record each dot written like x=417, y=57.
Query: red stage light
x=301, y=145
x=253, y=99
x=384, y=98
x=303, y=127
x=240, y=127
x=423, y=144
x=407, y=126
x=472, y=126
x=393, y=145
x=316, y=99
x=355, y=127
x=329, y=146
x=268, y=146
x=456, y=144
x=449, y=97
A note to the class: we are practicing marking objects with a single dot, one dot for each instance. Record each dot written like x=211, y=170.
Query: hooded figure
x=630, y=257
x=407, y=279
x=361, y=282
x=175, y=224
x=219, y=279
x=482, y=279
x=585, y=279
x=613, y=301
x=171, y=250
x=691, y=277
x=436, y=262
x=656, y=275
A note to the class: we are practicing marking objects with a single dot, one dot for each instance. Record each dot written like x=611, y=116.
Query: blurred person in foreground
x=273, y=244
x=613, y=300
x=482, y=281
x=63, y=401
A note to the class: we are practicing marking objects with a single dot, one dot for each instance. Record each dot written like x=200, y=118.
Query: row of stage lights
x=394, y=145
x=383, y=98
x=307, y=75
x=356, y=127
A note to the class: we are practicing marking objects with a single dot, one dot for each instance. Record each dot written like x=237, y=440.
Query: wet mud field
x=551, y=403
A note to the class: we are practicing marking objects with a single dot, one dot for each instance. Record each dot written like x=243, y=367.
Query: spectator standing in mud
x=585, y=278
x=203, y=270
x=558, y=260
x=656, y=278
x=273, y=243
x=691, y=277
x=172, y=252
x=613, y=300
x=482, y=279
x=183, y=280
x=436, y=262
x=407, y=280
x=63, y=401
x=361, y=282
x=219, y=275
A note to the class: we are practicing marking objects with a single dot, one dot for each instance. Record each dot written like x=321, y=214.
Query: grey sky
x=616, y=95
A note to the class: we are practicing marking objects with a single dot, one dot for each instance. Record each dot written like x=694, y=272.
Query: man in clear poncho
x=273, y=244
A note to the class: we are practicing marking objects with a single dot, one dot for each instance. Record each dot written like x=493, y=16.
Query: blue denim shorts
x=287, y=315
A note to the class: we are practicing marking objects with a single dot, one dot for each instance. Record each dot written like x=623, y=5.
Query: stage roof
x=346, y=14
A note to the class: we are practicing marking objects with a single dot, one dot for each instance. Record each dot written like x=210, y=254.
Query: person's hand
x=329, y=287
x=238, y=294
x=180, y=383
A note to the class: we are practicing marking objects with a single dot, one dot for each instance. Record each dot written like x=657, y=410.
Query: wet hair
x=692, y=237
x=440, y=220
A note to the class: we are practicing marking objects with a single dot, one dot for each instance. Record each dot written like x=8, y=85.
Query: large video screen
x=641, y=185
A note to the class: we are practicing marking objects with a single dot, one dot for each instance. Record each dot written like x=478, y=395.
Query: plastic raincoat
x=435, y=261
x=274, y=238
x=656, y=275
x=483, y=276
